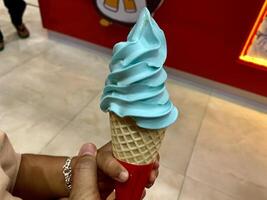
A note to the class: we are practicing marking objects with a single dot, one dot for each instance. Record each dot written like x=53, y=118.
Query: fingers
x=110, y=166
x=84, y=184
x=154, y=174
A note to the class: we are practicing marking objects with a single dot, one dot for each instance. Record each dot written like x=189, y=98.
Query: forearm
x=40, y=177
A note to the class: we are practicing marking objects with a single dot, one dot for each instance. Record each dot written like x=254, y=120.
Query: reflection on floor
x=49, y=103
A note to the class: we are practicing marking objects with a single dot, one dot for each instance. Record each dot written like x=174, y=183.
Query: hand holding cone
x=138, y=102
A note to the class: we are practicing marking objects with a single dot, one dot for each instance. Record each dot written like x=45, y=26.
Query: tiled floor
x=49, y=103
x=32, y=2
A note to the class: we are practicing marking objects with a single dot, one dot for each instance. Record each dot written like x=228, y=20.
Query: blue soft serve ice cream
x=135, y=86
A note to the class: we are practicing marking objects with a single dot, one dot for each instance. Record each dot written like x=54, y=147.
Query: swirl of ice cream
x=136, y=85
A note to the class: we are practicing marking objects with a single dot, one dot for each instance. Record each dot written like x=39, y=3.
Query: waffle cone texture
x=133, y=144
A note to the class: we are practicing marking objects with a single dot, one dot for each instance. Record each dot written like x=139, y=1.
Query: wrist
x=40, y=177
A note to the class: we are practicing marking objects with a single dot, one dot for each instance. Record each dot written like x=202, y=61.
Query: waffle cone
x=133, y=144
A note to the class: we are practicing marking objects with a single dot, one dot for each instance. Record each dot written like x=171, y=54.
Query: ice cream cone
x=132, y=144
x=136, y=148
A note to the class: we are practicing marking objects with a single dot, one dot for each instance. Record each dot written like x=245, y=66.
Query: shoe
x=2, y=45
x=22, y=31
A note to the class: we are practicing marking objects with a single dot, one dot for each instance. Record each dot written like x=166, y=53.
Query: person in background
x=16, y=9
x=90, y=175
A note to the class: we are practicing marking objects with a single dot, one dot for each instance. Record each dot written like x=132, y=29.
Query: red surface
x=134, y=187
x=205, y=37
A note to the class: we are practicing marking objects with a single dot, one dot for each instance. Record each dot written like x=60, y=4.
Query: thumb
x=84, y=185
x=109, y=165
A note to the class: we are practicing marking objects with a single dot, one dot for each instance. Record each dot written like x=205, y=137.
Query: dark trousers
x=16, y=9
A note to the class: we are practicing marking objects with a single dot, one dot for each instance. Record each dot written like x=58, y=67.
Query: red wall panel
x=205, y=37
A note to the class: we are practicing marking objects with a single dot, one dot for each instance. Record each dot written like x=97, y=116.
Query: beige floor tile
x=230, y=153
x=91, y=125
x=18, y=51
x=80, y=57
x=70, y=139
x=11, y=57
x=167, y=185
x=3, y=12
x=194, y=190
x=29, y=129
x=60, y=90
x=33, y=2
x=180, y=138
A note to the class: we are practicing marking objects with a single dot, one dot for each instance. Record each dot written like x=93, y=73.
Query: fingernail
x=89, y=153
x=123, y=176
x=88, y=149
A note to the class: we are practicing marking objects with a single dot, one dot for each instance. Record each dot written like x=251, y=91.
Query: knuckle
x=111, y=163
x=85, y=162
x=113, y=167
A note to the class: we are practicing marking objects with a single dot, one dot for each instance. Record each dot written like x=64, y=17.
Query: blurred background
x=51, y=85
